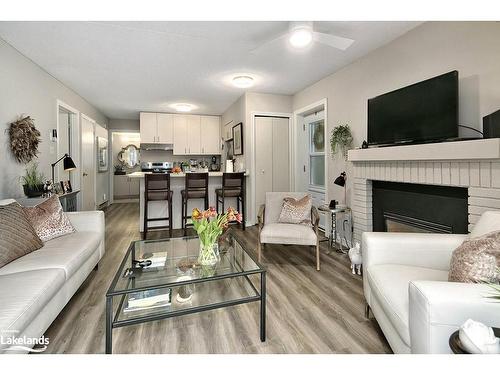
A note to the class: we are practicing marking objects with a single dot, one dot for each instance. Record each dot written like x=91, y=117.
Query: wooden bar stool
x=157, y=188
x=233, y=186
x=196, y=188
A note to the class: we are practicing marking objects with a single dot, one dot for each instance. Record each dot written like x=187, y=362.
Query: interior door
x=210, y=128
x=149, y=127
x=194, y=134
x=88, y=165
x=180, y=135
x=263, y=159
x=281, y=155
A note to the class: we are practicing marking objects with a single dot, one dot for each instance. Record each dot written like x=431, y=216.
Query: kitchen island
x=177, y=183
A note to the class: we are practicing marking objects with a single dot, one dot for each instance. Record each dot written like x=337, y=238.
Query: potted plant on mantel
x=341, y=140
x=210, y=225
x=33, y=181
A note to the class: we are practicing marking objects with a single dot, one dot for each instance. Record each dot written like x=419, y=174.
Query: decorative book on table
x=148, y=299
x=157, y=259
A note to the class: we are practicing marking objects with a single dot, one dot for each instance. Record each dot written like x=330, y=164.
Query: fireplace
x=402, y=207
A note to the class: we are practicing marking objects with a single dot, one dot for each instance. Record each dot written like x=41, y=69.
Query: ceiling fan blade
x=333, y=40
x=269, y=42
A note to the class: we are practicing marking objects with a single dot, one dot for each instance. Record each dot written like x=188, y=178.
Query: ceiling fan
x=302, y=34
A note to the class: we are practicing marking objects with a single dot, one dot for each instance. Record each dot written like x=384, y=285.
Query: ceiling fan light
x=301, y=37
x=243, y=81
x=183, y=107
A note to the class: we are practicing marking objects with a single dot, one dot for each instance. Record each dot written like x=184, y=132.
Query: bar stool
x=233, y=186
x=196, y=188
x=157, y=188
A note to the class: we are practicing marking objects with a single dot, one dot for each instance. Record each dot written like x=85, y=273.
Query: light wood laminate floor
x=307, y=311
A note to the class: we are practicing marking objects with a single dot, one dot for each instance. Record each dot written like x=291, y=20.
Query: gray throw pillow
x=17, y=236
x=476, y=260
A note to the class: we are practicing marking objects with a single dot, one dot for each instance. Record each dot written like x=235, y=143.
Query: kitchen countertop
x=174, y=175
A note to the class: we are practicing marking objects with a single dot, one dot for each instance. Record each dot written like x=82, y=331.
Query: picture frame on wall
x=238, y=139
x=102, y=154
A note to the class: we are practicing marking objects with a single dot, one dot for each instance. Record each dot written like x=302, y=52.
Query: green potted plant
x=33, y=181
x=340, y=140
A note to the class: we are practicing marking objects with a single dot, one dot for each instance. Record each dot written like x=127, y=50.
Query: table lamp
x=68, y=164
x=342, y=181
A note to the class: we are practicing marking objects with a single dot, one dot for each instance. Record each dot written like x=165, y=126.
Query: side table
x=68, y=201
x=333, y=224
x=456, y=344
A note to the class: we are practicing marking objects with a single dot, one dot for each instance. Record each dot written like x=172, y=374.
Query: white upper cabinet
x=194, y=135
x=180, y=135
x=210, y=135
x=165, y=123
x=149, y=127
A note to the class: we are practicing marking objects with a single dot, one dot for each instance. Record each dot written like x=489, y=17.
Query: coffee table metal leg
x=109, y=325
x=263, y=306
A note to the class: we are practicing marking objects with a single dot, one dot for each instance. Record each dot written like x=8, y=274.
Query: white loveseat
x=36, y=287
x=405, y=286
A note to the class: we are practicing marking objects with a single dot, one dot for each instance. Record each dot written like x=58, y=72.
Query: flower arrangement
x=209, y=225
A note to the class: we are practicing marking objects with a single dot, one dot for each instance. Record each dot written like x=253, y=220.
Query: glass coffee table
x=181, y=285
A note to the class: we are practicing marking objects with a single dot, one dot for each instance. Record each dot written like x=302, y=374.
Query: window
x=317, y=153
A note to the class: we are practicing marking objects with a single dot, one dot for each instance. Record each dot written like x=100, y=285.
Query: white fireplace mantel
x=479, y=149
x=473, y=164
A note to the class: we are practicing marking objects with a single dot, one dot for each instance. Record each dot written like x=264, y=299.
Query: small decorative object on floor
x=24, y=139
x=209, y=225
x=356, y=259
x=477, y=338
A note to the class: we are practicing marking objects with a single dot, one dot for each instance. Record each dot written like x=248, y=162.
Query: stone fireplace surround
x=473, y=164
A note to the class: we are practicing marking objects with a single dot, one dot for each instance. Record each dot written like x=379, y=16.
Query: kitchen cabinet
x=156, y=127
x=194, y=134
x=180, y=135
x=210, y=135
x=125, y=187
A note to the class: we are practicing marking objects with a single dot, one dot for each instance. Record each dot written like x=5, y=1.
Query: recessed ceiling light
x=243, y=81
x=183, y=107
x=301, y=37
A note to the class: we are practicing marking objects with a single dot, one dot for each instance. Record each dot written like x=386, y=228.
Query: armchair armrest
x=87, y=221
x=431, y=250
x=438, y=308
x=315, y=218
x=260, y=215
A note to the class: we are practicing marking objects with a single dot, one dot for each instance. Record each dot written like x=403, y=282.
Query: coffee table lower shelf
x=114, y=321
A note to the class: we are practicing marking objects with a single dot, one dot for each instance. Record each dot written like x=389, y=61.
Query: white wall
x=433, y=48
x=25, y=88
x=119, y=124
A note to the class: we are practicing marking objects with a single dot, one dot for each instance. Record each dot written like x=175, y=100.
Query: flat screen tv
x=423, y=112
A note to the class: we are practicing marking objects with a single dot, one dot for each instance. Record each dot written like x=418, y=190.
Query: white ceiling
x=126, y=67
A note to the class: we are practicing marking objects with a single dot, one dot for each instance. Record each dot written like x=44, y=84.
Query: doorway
x=88, y=188
x=272, y=156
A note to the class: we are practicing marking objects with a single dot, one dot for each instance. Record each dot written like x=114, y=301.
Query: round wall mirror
x=129, y=156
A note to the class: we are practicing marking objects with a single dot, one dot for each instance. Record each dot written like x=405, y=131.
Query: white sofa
x=406, y=288
x=36, y=287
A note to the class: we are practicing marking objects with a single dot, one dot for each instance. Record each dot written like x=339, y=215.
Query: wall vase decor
x=24, y=139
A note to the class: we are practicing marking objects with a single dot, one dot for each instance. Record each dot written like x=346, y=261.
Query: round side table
x=456, y=344
x=333, y=224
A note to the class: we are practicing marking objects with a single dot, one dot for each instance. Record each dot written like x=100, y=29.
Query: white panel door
x=263, y=159
x=194, y=134
x=281, y=155
x=88, y=165
x=180, y=135
x=210, y=130
x=149, y=128
x=165, y=123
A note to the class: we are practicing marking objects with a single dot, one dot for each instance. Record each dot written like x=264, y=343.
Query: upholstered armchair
x=273, y=232
x=406, y=286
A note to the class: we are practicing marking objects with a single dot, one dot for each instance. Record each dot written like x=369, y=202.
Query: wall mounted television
x=426, y=111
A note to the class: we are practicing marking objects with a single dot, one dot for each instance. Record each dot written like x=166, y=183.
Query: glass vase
x=209, y=254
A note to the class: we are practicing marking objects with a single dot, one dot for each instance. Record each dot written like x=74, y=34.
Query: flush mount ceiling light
x=243, y=81
x=301, y=37
x=183, y=107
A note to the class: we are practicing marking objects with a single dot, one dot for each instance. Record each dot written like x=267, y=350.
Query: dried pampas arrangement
x=24, y=139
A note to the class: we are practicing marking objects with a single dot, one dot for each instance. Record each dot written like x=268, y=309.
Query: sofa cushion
x=288, y=234
x=389, y=284
x=17, y=236
x=67, y=253
x=49, y=219
x=23, y=295
x=296, y=211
